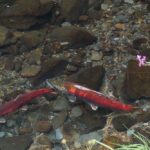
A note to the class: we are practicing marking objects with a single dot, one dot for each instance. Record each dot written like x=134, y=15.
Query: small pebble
x=61, y=103
x=66, y=24
x=96, y=56
x=43, y=126
x=76, y=112
x=59, y=135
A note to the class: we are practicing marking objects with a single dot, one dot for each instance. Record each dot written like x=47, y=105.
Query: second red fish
x=95, y=97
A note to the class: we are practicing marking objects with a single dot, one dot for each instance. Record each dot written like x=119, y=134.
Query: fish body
x=22, y=100
x=95, y=97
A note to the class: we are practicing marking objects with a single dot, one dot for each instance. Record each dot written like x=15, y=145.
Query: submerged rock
x=137, y=81
x=59, y=120
x=60, y=104
x=23, y=14
x=19, y=142
x=30, y=40
x=43, y=126
x=89, y=122
x=72, y=9
x=75, y=36
x=6, y=36
x=50, y=68
x=76, y=112
x=30, y=71
x=89, y=77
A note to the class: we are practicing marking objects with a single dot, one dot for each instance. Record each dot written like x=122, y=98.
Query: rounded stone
x=43, y=126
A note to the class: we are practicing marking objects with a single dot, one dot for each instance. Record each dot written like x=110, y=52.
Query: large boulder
x=23, y=14
x=137, y=81
x=89, y=77
x=75, y=36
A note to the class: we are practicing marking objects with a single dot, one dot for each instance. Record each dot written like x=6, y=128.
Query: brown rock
x=43, y=126
x=18, y=22
x=50, y=68
x=138, y=42
x=22, y=14
x=89, y=77
x=90, y=122
x=75, y=36
x=137, y=81
x=8, y=62
x=23, y=131
x=72, y=9
x=31, y=39
x=120, y=26
x=83, y=18
x=143, y=116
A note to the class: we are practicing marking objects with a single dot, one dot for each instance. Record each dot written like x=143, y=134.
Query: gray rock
x=76, y=112
x=118, y=2
x=59, y=119
x=2, y=134
x=59, y=134
x=104, y=6
x=96, y=56
x=66, y=24
x=10, y=123
x=89, y=122
x=121, y=19
x=19, y=142
x=60, y=104
x=30, y=70
x=96, y=135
